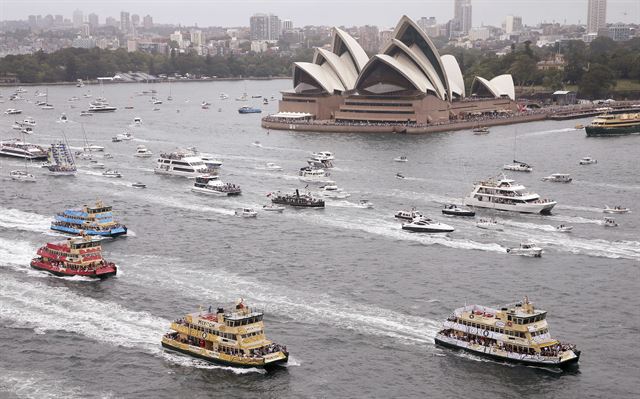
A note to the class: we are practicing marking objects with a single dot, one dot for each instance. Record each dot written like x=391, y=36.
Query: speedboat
x=558, y=178
x=518, y=166
x=323, y=156
x=273, y=208
x=408, y=215
x=564, y=229
x=489, y=224
x=365, y=204
x=137, y=121
x=399, y=176
x=610, y=222
x=96, y=165
x=256, y=143
x=587, y=161
x=422, y=224
x=93, y=148
x=401, y=159
x=13, y=111
x=21, y=175
x=526, y=249
x=454, y=210
x=143, y=152
x=138, y=185
x=272, y=166
x=111, y=173
x=616, y=209
x=330, y=190
x=246, y=213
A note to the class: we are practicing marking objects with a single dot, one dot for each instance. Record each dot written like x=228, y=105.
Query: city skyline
x=311, y=12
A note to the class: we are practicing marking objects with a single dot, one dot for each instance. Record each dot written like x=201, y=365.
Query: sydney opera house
x=408, y=83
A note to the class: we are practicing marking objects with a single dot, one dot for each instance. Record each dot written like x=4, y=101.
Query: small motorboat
x=587, y=161
x=96, y=165
x=137, y=121
x=257, y=144
x=323, y=156
x=21, y=175
x=399, y=176
x=564, y=229
x=331, y=190
x=273, y=208
x=93, y=148
x=480, y=130
x=616, y=209
x=526, y=249
x=107, y=156
x=518, y=166
x=408, y=215
x=365, y=204
x=13, y=111
x=610, y=222
x=454, y=210
x=558, y=178
x=86, y=113
x=489, y=224
x=401, y=159
x=138, y=185
x=422, y=224
x=85, y=156
x=111, y=173
x=143, y=152
x=246, y=213
x=272, y=166
x=27, y=130
x=116, y=139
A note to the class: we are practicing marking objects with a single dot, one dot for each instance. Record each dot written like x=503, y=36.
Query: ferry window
x=509, y=317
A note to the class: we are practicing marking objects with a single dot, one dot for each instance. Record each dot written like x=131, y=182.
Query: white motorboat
x=223, y=96
x=243, y=97
x=23, y=176
x=518, y=166
x=564, y=228
x=246, y=213
x=616, y=209
x=408, y=215
x=13, y=111
x=455, y=210
x=111, y=173
x=526, y=249
x=85, y=156
x=309, y=174
x=138, y=185
x=323, y=156
x=587, y=161
x=126, y=136
x=93, y=148
x=558, y=178
x=96, y=165
x=257, y=144
x=137, y=121
x=480, y=130
x=211, y=184
x=143, y=152
x=27, y=130
x=315, y=163
x=47, y=106
x=29, y=121
x=365, y=204
x=107, y=156
x=609, y=222
x=401, y=159
x=273, y=208
x=85, y=113
x=273, y=166
x=20, y=149
x=505, y=195
x=489, y=224
x=422, y=224
x=331, y=190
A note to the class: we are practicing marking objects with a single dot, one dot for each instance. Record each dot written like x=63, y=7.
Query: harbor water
x=356, y=299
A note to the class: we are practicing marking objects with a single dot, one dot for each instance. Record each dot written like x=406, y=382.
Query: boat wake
x=27, y=221
x=547, y=132
x=35, y=384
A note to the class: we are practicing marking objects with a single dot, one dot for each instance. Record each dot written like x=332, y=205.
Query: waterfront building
x=596, y=15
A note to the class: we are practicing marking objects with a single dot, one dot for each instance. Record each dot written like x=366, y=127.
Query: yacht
x=515, y=333
x=101, y=105
x=489, y=224
x=422, y=224
x=273, y=166
x=454, y=210
x=408, y=215
x=564, y=228
x=209, y=160
x=526, y=249
x=505, y=195
x=587, y=161
x=246, y=213
x=615, y=209
x=13, y=111
x=111, y=173
x=609, y=222
x=143, y=152
x=309, y=174
x=21, y=175
x=558, y=178
x=518, y=166
x=401, y=159
x=181, y=163
x=126, y=136
x=210, y=184
x=319, y=164
x=20, y=149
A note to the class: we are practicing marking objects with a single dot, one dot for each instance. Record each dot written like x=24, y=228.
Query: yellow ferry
x=229, y=337
x=516, y=333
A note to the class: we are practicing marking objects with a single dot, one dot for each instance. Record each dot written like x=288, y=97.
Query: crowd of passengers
x=253, y=353
x=551, y=351
x=81, y=268
x=94, y=227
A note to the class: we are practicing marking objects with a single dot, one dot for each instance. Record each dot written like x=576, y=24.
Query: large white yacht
x=21, y=149
x=181, y=163
x=505, y=195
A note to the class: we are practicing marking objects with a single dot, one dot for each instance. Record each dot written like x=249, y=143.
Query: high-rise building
x=196, y=38
x=32, y=21
x=369, y=38
x=78, y=18
x=425, y=22
x=287, y=24
x=125, y=22
x=85, y=30
x=462, y=15
x=58, y=20
x=147, y=22
x=135, y=20
x=93, y=20
x=176, y=37
x=512, y=24
x=111, y=21
x=596, y=15
x=265, y=27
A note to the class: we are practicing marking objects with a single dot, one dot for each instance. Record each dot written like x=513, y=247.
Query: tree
x=553, y=80
x=597, y=82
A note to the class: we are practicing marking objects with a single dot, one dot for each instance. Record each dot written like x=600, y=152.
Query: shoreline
x=109, y=82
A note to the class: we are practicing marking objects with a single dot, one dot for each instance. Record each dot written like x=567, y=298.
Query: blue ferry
x=90, y=220
x=249, y=110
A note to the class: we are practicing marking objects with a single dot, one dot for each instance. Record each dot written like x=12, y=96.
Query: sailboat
x=90, y=147
x=169, y=98
x=46, y=104
x=452, y=209
x=61, y=162
x=517, y=166
x=23, y=175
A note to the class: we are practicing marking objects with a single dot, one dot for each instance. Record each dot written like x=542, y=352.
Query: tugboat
x=209, y=184
x=228, y=337
x=516, y=333
x=78, y=256
x=90, y=220
x=297, y=200
x=454, y=210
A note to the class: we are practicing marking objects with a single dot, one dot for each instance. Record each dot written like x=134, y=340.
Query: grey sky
x=384, y=13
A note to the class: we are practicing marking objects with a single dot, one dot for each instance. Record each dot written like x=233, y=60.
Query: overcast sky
x=384, y=13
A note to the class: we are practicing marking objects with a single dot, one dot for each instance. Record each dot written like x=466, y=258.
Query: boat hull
x=562, y=365
x=102, y=273
x=299, y=205
x=215, y=192
x=168, y=344
x=544, y=208
x=416, y=229
x=119, y=231
x=594, y=131
x=458, y=213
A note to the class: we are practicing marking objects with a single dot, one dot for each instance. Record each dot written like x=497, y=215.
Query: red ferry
x=77, y=256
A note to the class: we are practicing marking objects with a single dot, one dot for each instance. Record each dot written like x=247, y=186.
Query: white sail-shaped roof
x=342, y=40
x=342, y=66
x=454, y=74
x=313, y=77
x=500, y=86
x=401, y=73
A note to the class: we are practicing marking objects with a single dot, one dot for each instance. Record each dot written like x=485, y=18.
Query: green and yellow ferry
x=516, y=333
x=227, y=337
x=614, y=125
